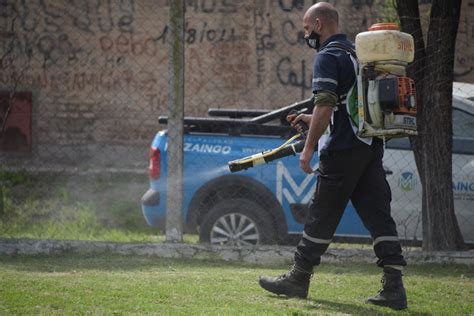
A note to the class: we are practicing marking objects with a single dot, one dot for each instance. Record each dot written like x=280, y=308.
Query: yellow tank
x=384, y=42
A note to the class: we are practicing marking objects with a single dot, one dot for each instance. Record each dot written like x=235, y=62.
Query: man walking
x=350, y=168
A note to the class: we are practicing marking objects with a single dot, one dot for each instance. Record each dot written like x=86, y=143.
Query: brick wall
x=98, y=69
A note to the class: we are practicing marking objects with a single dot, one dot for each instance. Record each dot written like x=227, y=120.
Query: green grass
x=111, y=284
x=55, y=206
x=69, y=222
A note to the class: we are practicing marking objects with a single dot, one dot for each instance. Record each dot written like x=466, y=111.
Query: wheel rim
x=235, y=229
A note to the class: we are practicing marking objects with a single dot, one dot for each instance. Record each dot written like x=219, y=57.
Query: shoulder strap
x=351, y=100
x=343, y=47
x=349, y=50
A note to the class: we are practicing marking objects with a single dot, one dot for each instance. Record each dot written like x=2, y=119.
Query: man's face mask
x=313, y=40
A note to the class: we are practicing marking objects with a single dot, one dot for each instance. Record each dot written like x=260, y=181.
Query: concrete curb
x=264, y=255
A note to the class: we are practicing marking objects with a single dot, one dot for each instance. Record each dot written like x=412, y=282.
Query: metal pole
x=174, y=195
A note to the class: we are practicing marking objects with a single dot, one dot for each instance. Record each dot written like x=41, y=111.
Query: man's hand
x=293, y=119
x=305, y=159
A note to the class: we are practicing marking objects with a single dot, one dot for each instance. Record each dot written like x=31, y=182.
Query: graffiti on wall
x=113, y=57
x=89, y=45
x=50, y=31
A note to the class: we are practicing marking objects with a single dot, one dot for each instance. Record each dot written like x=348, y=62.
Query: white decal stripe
x=316, y=240
x=291, y=190
x=289, y=197
x=385, y=238
x=400, y=268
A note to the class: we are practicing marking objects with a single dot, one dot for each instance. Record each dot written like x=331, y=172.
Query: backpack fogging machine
x=386, y=97
x=382, y=102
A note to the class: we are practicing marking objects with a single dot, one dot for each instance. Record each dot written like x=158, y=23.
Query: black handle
x=304, y=127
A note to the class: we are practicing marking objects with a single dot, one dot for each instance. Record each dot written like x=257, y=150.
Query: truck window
x=463, y=124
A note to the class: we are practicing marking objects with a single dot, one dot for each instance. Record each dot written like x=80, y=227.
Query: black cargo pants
x=356, y=174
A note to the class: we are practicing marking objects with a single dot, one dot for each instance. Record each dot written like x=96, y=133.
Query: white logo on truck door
x=292, y=191
x=207, y=148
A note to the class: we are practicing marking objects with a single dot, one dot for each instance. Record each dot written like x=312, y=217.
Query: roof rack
x=256, y=125
x=236, y=113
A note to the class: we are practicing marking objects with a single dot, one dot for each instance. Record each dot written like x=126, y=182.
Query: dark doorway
x=15, y=121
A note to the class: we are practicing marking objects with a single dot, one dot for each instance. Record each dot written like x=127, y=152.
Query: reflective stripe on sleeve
x=316, y=240
x=328, y=80
x=385, y=238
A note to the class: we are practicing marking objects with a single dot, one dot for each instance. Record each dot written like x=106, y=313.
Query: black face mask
x=313, y=40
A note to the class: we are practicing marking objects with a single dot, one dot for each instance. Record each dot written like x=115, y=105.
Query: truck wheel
x=237, y=222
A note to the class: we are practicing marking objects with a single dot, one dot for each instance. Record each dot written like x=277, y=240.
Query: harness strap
x=346, y=48
x=343, y=98
x=343, y=47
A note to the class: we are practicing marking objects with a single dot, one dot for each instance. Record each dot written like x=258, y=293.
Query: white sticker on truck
x=207, y=148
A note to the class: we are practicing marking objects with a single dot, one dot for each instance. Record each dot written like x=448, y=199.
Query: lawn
x=112, y=284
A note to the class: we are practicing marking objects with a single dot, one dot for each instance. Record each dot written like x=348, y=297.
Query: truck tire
x=237, y=222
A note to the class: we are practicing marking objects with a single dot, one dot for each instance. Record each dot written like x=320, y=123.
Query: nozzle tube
x=289, y=150
x=265, y=157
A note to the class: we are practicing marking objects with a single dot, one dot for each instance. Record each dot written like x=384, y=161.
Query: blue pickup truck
x=266, y=204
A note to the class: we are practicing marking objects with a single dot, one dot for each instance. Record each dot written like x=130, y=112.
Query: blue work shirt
x=333, y=70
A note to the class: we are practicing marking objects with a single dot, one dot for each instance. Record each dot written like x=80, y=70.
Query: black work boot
x=392, y=293
x=295, y=283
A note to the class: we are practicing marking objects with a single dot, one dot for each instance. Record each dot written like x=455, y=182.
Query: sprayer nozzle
x=237, y=165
